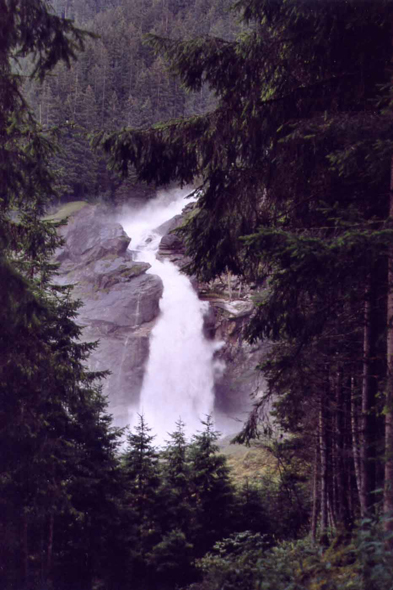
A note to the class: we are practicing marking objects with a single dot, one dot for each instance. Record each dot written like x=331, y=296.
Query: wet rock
x=125, y=304
x=170, y=225
x=171, y=242
x=90, y=236
x=120, y=302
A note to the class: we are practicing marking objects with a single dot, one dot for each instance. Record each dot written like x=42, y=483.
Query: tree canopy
x=292, y=164
x=293, y=167
x=58, y=471
x=117, y=82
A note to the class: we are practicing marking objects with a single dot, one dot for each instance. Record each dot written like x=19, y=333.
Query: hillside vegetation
x=285, y=124
x=118, y=82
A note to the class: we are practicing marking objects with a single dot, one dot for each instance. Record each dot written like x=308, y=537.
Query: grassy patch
x=66, y=210
x=248, y=463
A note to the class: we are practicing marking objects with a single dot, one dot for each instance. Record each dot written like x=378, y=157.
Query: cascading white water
x=179, y=377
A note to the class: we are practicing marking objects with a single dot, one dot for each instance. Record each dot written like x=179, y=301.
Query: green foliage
x=293, y=159
x=212, y=490
x=172, y=559
x=176, y=470
x=293, y=169
x=66, y=211
x=181, y=501
x=58, y=450
x=118, y=83
x=373, y=556
x=143, y=480
x=232, y=562
x=244, y=562
x=277, y=503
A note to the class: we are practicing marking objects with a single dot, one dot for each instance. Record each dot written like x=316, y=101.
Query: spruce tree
x=54, y=432
x=144, y=497
x=294, y=168
x=172, y=557
x=176, y=473
x=212, y=490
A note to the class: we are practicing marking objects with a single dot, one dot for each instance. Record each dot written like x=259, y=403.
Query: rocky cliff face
x=231, y=305
x=240, y=383
x=121, y=303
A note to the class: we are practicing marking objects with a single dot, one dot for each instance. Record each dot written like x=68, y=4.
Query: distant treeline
x=118, y=82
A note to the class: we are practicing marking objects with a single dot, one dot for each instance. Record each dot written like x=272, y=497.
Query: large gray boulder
x=89, y=236
x=170, y=242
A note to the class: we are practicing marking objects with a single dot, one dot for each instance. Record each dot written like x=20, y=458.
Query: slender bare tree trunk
x=74, y=113
x=333, y=455
x=315, y=500
x=49, y=552
x=103, y=96
x=331, y=516
x=388, y=487
x=355, y=439
x=25, y=544
x=341, y=444
x=371, y=370
x=365, y=485
x=324, y=466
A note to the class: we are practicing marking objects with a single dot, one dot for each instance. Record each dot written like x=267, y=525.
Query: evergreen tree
x=212, y=490
x=118, y=65
x=57, y=446
x=251, y=513
x=143, y=484
x=172, y=557
x=176, y=474
x=172, y=560
x=295, y=163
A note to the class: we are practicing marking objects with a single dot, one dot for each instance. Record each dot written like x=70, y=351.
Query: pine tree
x=176, y=473
x=172, y=557
x=212, y=490
x=250, y=510
x=143, y=485
x=295, y=163
x=54, y=432
x=172, y=560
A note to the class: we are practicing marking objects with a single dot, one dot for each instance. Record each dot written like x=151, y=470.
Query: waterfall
x=179, y=376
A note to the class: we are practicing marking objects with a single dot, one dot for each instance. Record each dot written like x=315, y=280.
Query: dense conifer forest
x=118, y=82
x=280, y=112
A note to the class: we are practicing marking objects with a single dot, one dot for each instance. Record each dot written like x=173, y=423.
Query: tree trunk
x=74, y=113
x=388, y=487
x=103, y=96
x=342, y=504
x=315, y=500
x=324, y=467
x=355, y=439
x=371, y=370
x=25, y=545
x=50, y=547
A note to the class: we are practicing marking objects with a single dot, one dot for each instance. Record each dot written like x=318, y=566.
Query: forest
x=279, y=112
x=118, y=82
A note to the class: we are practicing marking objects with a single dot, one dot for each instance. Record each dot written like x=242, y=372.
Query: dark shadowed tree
x=57, y=460
x=212, y=490
x=294, y=167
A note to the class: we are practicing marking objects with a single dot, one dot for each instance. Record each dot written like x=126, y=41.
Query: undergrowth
x=245, y=561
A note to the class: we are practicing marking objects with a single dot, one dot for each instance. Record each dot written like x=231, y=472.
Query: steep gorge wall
x=121, y=303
